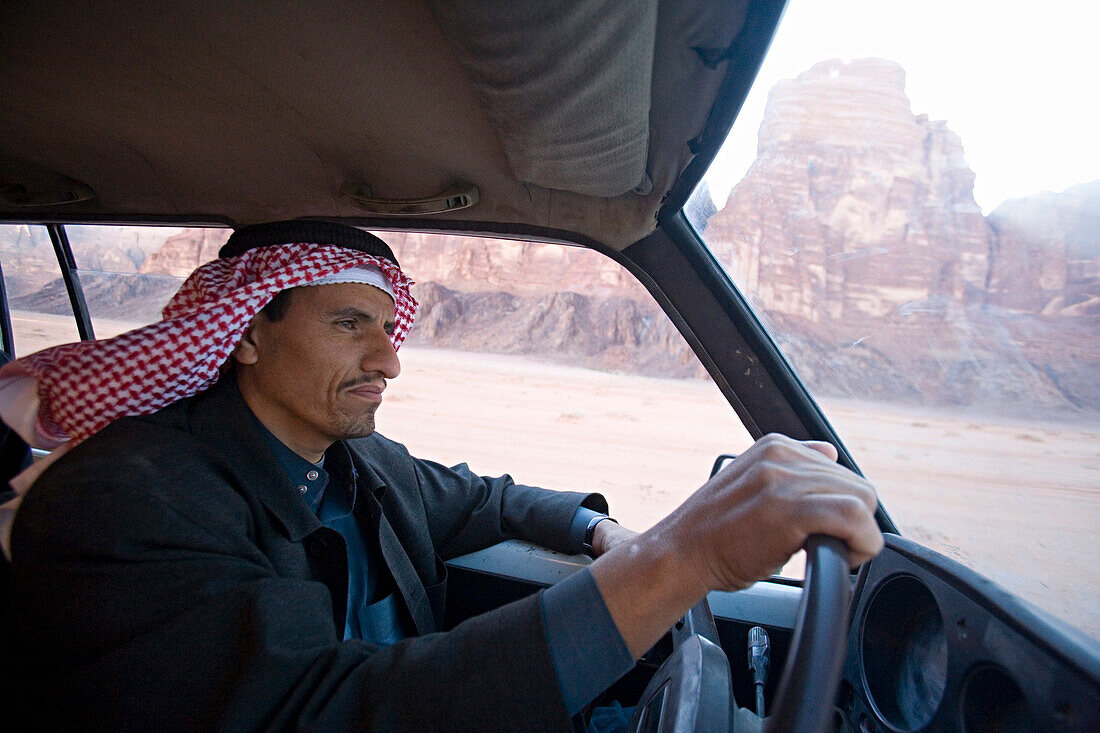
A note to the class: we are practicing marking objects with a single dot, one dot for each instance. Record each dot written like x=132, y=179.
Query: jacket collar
x=222, y=421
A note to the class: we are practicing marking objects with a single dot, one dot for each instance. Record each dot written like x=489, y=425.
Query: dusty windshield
x=911, y=204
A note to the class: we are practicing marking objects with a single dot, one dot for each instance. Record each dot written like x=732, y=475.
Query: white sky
x=1017, y=81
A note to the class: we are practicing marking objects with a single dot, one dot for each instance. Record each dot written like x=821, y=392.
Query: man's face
x=316, y=375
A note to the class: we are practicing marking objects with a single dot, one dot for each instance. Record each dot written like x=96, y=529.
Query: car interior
x=579, y=124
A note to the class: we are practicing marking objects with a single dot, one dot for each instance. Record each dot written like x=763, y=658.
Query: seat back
x=15, y=455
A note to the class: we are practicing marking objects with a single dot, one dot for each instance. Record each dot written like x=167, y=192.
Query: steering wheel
x=804, y=702
x=691, y=691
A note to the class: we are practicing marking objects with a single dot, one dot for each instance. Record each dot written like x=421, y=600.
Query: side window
x=128, y=273
x=38, y=303
x=553, y=364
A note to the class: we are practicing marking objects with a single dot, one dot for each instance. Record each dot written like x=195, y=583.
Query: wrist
x=595, y=535
x=609, y=535
x=646, y=588
x=675, y=541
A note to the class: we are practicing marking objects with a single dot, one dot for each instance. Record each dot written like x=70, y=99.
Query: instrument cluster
x=933, y=646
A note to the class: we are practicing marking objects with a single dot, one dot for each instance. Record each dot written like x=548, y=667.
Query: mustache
x=361, y=381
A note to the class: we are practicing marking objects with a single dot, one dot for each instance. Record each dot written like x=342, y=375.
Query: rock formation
x=1046, y=252
x=607, y=333
x=185, y=251
x=846, y=186
x=28, y=259
x=127, y=297
x=856, y=233
x=522, y=268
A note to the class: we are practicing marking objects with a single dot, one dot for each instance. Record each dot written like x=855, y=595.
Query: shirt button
x=302, y=489
x=312, y=475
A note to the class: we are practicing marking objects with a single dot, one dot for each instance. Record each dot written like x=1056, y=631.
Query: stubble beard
x=359, y=426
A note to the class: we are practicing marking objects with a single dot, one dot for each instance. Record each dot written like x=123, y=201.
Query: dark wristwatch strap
x=591, y=530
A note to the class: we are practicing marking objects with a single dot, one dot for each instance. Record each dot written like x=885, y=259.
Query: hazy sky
x=1017, y=81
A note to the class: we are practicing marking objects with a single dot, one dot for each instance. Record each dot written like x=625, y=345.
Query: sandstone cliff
x=521, y=268
x=854, y=206
x=856, y=233
x=185, y=251
x=1046, y=252
x=607, y=333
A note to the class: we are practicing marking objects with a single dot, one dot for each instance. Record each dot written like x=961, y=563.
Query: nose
x=381, y=356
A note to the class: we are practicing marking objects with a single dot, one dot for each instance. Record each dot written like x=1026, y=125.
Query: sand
x=1018, y=501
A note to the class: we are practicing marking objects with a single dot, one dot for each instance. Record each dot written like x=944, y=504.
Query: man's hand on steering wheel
x=745, y=523
x=738, y=528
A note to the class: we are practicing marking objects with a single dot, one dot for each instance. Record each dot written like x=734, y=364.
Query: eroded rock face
x=1046, y=252
x=521, y=268
x=849, y=183
x=609, y=333
x=185, y=251
x=857, y=234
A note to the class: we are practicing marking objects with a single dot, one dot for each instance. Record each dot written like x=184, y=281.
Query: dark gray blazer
x=167, y=576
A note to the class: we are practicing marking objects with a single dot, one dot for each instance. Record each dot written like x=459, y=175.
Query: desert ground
x=1018, y=501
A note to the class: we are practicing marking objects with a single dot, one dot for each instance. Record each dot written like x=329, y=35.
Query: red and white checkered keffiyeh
x=84, y=386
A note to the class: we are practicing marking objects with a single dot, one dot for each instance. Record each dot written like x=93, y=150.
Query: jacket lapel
x=221, y=420
x=401, y=567
x=405, y=577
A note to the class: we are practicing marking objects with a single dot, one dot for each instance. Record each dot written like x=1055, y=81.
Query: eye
x=347, y=323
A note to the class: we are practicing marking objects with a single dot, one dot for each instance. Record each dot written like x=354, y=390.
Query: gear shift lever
x=759, y=654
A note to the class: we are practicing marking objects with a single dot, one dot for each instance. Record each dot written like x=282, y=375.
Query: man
x=254, y=556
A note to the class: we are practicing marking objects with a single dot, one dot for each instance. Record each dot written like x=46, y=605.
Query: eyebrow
x=353, y=312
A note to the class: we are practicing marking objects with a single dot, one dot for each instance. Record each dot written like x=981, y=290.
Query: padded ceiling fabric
x=566, y=83
x=573, y=118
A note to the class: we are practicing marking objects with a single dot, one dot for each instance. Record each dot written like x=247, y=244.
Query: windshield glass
x=910, y=202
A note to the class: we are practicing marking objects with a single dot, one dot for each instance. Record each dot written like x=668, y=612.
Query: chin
x=360, y=430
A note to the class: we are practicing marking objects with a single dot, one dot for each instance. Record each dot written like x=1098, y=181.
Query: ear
x=247, y=350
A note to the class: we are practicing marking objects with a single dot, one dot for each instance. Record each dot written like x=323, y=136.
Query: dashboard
x=933, y=646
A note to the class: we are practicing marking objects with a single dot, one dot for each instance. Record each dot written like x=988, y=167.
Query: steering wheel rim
x=804, y=701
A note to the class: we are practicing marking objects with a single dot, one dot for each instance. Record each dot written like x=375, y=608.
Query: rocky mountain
x=28, y=258
x=565, y=303
x=30, y=264
x=521, y=268
x=612, y=332
x=123, y=297
x=182, y=253
x=1046, y=252
x=856, y=233
x=848, y=183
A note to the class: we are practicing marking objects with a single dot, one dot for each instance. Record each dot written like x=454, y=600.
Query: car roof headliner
x=572, y=117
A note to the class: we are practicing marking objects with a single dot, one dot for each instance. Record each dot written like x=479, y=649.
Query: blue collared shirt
x=330, y=489
x=588, y=656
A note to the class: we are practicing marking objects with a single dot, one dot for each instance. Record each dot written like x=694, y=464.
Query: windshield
x=910, y=202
